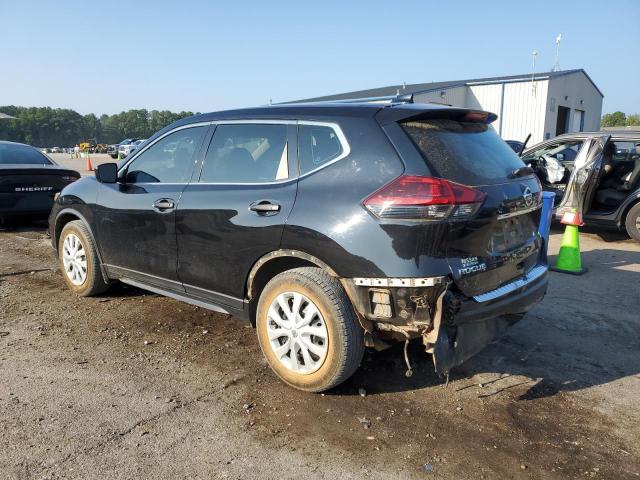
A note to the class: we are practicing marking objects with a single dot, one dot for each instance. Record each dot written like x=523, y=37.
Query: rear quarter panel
x=329, y=221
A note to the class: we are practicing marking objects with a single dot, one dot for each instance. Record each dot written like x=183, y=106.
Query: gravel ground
x=133, y=385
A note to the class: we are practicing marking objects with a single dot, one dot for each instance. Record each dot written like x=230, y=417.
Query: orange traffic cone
x=89, y=166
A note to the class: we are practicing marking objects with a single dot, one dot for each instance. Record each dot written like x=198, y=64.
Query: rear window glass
x=21, y=154
x=463, y=152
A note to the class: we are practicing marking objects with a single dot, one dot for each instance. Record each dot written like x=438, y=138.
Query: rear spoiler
x=34, y=169
x=423, y=111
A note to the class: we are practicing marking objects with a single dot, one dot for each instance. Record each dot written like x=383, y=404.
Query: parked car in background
x=112, y=150
x=515, y=145
x=330, y=227
x=132, y=147
x=596, y=173
x=29, y=180
x=100, y=148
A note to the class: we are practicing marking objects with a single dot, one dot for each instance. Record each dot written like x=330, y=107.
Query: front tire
x=308, y=331
x=79, y=262
x=632, y=222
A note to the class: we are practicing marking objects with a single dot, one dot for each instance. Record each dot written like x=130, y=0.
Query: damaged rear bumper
x=454, y=327
x=467, y=326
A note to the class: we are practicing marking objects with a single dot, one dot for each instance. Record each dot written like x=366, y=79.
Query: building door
x=563, y=120
x=578, y=121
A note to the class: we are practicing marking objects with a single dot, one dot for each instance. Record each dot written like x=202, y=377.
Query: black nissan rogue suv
x=331, y=227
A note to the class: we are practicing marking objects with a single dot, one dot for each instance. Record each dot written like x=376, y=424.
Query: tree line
x=62, y=127
x=620, y=119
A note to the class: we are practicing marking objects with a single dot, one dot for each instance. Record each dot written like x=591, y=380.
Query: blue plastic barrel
x=545, y=221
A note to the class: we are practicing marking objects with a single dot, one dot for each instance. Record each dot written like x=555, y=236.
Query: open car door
x=584, y=179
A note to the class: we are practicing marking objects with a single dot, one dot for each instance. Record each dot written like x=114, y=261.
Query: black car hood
x=13, y=168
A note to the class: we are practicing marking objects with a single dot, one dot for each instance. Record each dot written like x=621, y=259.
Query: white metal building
x=542, y=104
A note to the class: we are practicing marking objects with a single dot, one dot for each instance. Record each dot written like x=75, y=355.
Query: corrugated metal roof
x=427, y=87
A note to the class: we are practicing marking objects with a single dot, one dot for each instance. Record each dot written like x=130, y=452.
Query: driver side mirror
x=107, y=173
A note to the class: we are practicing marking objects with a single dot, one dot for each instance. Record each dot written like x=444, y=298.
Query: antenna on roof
x=533, y=73
x=556, y=67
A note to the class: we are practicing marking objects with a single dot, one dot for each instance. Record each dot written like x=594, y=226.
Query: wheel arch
x=69, y=215
x=632, y=200
x=272, y=264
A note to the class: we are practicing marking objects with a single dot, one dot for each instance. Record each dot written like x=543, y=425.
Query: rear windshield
x=463, y=152
x=22, y=154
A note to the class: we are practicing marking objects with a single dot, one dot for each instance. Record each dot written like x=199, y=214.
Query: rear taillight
x=69, y=178
x=424, y=198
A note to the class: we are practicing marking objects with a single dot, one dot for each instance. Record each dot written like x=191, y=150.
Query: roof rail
x=405, y=98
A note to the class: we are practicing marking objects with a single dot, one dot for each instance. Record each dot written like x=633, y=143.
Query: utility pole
x=534, y=54
x=556, y=67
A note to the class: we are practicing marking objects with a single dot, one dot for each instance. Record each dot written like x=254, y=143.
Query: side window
x=566, y=151
x=247, y=153
x=317, y=145
x=624, y=151
x=169, y=160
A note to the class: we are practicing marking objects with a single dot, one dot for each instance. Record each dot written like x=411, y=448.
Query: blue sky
x=109, y=56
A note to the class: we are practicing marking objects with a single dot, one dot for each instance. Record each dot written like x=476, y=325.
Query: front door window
x=169, y=160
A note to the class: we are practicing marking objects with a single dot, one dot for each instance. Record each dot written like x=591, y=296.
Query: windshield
x=463, y=152
x=13, y=153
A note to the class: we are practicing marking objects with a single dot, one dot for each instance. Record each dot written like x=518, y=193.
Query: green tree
x=61, y=127
x=615, y=119
x=633, y=120
x=92, y=127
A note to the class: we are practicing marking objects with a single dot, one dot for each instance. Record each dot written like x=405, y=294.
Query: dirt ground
x=133, y=385
x=80, y=164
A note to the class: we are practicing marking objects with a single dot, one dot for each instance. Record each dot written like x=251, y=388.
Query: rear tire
x=632, y=222
x=324, y=344
x=79, y=262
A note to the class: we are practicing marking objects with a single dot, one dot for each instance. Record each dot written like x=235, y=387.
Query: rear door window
x=625, y=151
x=463, y=152
x=247, y=153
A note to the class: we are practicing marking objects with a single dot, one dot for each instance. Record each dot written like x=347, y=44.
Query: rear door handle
x=265, y=207
x=164, y=205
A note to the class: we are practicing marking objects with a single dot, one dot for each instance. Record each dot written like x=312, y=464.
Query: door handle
x=265, y=207
x=164, y=205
